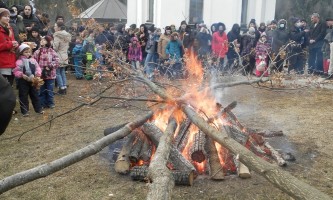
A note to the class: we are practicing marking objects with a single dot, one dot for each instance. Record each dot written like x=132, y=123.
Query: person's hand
x=312, y=41
x=28, y=28
x=306, y=30
x=15, y=44
x=25, y=77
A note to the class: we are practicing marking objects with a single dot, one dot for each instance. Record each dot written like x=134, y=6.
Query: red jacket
x=220, y=44
x=7, y=52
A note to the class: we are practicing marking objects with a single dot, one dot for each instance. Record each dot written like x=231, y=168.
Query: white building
x=167, y=12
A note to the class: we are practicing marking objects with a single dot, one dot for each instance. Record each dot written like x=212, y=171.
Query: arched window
x=196, y=11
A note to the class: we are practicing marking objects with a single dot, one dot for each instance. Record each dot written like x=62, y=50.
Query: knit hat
x=3, y=11
x=134, y=39
x=34, y=29
x=263, y=35
x=253, y=21
x=22, y=47
x=168, y=28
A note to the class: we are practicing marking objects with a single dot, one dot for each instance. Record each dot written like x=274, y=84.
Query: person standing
x=234, y=39
x=7, y=46
x=220, y=44
x=280, y=38
x=61, y=46
x=316, y=41
x=29, y=19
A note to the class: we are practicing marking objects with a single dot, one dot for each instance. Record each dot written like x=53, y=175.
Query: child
x=262, y=51
x=48, y=61
x=26, y=69
x=34, y=37
x=77, y=55
x=89, y=53
x=135, y=53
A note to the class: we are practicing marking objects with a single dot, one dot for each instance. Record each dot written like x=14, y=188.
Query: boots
x=62, y=91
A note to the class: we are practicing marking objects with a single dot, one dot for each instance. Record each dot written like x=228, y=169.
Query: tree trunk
x=123, y=164
x=44, y=170
x=216, y=169
x=140, y=173
x=176, y=158
x=197, y=150
x=159, y=174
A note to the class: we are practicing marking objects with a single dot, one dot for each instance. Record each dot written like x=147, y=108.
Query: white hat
x=22, y=47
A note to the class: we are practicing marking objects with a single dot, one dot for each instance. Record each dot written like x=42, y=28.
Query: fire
x=220, y=151
x=201, y=167
x=194, y=68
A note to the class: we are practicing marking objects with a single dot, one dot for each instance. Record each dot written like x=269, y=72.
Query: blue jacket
x=77, y=52
x=175, y=50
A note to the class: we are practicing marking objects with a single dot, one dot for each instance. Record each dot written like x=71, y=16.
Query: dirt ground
x=304, y=115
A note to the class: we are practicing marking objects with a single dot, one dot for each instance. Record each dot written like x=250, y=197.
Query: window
x=150, y=11
x=196, y=11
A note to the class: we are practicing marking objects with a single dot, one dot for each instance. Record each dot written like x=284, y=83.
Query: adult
x=143, y=35
x=316, y=40
x=269, y=33
x=295, y=50
x=280, y=38
x=61, y=45
x=16, y=22
x=234, y=39
x=29, y=19
x=220, y=44
x=162, y=43
x=204, y=42
x=248, y=45
x=7, y=103
x=174, y=50
x=7, y=46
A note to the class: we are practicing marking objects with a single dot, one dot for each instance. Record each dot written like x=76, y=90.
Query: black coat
x=280, y=38
x=7, y=103
x=298, y=36
x=318, y=34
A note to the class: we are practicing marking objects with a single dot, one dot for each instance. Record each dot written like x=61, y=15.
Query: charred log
x=176, y=158
x=197, y=150
x=146, y=150
x=140, y=173
x=136, y=149
x=276, y=155
x=182, y=136
x=123, y=164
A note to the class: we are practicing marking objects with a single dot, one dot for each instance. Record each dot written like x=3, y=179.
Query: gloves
x=31, y=77
x=25, y=77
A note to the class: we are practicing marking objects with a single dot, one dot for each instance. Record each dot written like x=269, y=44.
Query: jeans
x=61, y=78
x=135, y=64
x=315, y=60
x=78, y=68
x=46, y=94
x=148, y=69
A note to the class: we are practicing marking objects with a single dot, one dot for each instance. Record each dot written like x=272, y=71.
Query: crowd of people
x=32, y=46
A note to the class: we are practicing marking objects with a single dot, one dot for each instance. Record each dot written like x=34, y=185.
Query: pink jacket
x=19, y=70
x=220, y=44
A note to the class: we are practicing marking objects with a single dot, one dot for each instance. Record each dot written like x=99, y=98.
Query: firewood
x=176, y=158
x=242, y=170
x=276, y=155
x=140, y=173
x=182, y=136
x=135, y=150
x=112, y=129
x=197, y=150
x=159, y=174
x=267, y=133
x=123, y=164
x=216, y=170
x=146, y=150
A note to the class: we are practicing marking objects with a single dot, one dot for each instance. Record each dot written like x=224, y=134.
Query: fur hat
x=252, y=30
x=168, y=28
x=22, y=47
x=3, y=11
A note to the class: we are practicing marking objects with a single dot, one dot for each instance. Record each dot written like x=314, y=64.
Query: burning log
x=276, y=155
x=176, y=158
x=146, y=150
x=182, y=136
x=123, y=164
x=136, y=148
x=197, y=150
x=140, y=173
x=159, y=174
x=267, y=133
x=216, y=170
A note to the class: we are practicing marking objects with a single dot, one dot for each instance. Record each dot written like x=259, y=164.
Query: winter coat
x=248, y=44
x=134, y=53
x=47, y=58
x=204, y=43
x=150, y=47
x=326, y=47
x=318, y=34
x=262, y=49
x=30, y=21
x=78, y=52
x=220, y=44
x=18, y=26
x=104, y=38
x=20, y=68
x=233, y=35
x=161, y=46
x=280, y=38
x=174, y=49
x=61, y=45
x=7, y=51
x=7, y=103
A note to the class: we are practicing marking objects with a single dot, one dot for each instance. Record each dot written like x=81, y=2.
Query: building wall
x=168, y=12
